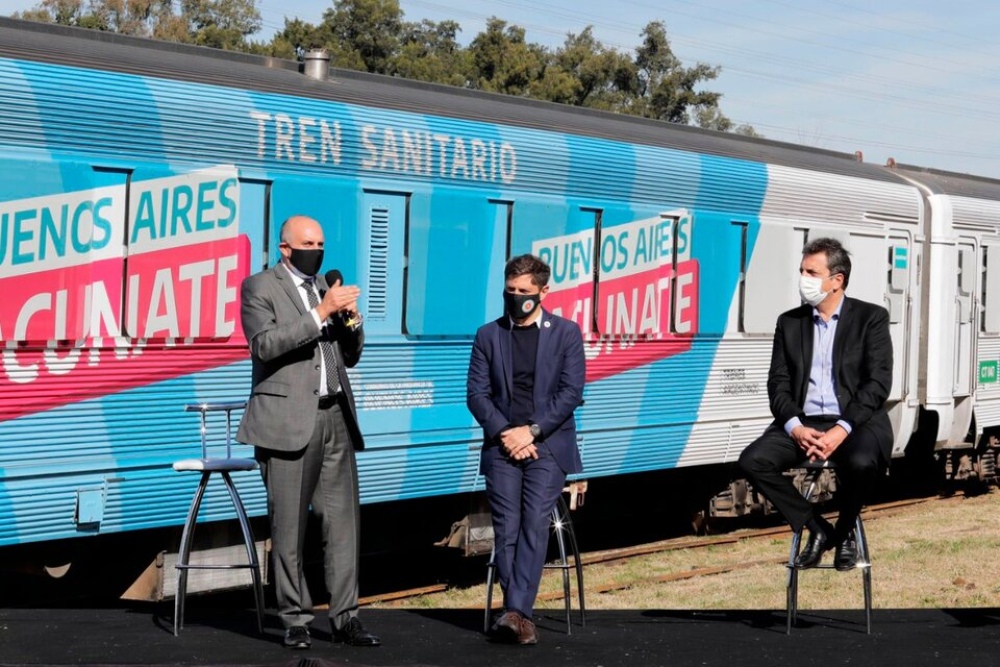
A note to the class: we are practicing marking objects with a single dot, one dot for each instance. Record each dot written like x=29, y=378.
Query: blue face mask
x=520, y=306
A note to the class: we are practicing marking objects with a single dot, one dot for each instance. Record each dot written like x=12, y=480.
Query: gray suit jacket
x=284, y=347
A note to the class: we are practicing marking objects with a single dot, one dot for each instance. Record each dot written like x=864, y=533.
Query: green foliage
x=371, y=36
x=430, y=51
x=223, y=24
x=363, y=34
x=502, y=61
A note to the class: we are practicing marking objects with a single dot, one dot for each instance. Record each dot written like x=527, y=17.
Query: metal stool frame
x=224, y=467
x=813, y=470
x=562, y=527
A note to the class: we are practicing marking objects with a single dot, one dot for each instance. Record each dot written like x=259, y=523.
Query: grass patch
x=932, y=555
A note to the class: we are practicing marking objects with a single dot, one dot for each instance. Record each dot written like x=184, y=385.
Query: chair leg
x=558, y=526
x=792, y=592
x=578, y=565
x=792, y=587
x=491, y=569
x=251, y=546
x=579, y=578
x=184, y=555
x=866, y=571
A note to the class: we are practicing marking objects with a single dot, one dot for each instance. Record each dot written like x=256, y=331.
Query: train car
x=960, y=390
x=143, y=180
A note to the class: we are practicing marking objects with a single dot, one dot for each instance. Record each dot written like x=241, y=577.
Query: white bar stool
x=813, y=471
x=206, y=466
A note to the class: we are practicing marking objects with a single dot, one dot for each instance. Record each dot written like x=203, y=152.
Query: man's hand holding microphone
x=341, y=300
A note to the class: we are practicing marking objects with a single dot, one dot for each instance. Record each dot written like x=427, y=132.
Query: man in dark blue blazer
x=526, y=378
x=831, y=372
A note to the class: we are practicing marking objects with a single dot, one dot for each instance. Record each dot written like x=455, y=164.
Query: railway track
x=682, y=543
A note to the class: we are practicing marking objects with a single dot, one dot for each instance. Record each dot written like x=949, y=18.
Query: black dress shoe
x=846, y=555
x=297, y=636
x=812, y=553
x=354, y=634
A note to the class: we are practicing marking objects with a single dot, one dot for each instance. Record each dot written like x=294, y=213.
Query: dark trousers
x=324, y=475
x=859, y=463
x=521, y=495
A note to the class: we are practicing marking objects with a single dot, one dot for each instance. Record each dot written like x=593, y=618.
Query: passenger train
x=142, y=181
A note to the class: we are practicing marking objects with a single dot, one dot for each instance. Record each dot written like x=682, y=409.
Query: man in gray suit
x=301, y=419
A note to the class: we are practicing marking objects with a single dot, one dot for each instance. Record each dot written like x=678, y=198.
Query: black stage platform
x=451, y=638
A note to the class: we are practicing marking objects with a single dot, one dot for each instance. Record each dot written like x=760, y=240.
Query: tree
x=430, y=51
x=218, y=23
x=666, y=89
x=297, y=34
x=63, y=12
x=502, y=61
x=362, y=34
x=222, y=24
x=583, y=72
x=370, y=35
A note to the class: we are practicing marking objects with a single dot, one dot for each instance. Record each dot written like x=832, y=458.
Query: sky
x=912, y=80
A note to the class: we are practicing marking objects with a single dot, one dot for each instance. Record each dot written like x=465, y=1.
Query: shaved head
x=302, y=244
x=299, y=228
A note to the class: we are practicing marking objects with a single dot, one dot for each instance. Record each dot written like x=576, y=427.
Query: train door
x=988, y=344
x=897, y=302
x=965, y=329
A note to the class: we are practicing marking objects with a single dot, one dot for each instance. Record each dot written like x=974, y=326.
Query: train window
x=683, y=277
x=966, y=271
x=741, y=279
x=568, y=247
x=647, y=280
x=185, y=256
x=869, y=268
x=456, y=253
x=966, y=280
x=61, y=255
x=772, y=276
x=898, y=263
x=255, y=220
x=991, y=289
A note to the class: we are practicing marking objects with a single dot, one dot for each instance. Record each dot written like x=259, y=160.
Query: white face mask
x=811, y=290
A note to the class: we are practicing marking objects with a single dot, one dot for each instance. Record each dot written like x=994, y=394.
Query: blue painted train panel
x=132, y=206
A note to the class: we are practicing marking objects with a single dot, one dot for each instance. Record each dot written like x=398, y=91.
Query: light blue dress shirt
x=821, y=396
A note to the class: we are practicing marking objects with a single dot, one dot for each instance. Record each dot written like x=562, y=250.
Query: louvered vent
x=378, y=263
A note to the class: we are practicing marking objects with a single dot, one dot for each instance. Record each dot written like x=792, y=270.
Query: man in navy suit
x=831, y=372
x=526, y=378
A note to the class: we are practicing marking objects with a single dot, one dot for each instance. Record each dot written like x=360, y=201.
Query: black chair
x=813, y=471
x=224, y=466
x=562, y=529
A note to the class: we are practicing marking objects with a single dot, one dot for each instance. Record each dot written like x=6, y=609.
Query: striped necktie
x=325, y=346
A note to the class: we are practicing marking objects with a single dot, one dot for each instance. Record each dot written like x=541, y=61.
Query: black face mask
x=520, y=306
x=307, y=261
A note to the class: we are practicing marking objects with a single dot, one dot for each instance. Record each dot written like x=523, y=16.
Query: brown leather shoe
x=528, y=633
x=508, y=627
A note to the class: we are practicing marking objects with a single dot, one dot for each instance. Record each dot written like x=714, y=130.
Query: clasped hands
x=337, y=299
x=819, y=444
x=519, y=443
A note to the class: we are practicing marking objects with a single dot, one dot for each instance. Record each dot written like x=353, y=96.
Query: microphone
x=334, y=275
x=350, y=319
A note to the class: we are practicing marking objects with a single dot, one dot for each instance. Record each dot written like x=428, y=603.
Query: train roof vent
x=316, y=64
